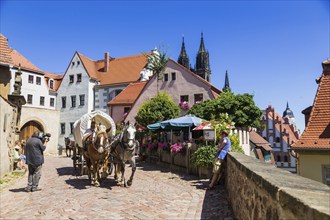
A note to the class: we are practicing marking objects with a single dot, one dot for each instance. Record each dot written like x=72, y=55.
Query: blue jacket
x=225, y=149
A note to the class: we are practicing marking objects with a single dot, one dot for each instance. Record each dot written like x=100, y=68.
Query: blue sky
x=272, y=49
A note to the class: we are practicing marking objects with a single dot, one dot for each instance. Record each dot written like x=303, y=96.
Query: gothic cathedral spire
x=226, y=87
x=202, y=61
x=183, y=57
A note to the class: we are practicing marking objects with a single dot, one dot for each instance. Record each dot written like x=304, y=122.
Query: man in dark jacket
x=34, y=158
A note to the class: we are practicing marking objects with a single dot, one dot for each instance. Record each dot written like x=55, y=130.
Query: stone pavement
x=156, y=193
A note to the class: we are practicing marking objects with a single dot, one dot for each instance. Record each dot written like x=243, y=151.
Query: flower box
x=184, y=105
x=180, y=160
x=165, y=156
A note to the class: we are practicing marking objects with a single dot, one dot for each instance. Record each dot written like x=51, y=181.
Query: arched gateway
x=28, y=128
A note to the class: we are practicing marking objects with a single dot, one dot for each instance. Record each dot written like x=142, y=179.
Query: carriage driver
x=88, y=132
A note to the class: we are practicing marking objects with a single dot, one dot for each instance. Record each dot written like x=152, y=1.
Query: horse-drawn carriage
x=100, y=147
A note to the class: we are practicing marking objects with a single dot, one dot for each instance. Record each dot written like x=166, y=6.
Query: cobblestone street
x=155, y=194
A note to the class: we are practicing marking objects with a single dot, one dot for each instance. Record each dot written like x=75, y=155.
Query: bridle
x=125, y=141
x=101, y=143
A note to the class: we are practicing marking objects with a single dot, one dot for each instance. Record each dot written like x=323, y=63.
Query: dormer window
x=72, y=64
x=51, y=84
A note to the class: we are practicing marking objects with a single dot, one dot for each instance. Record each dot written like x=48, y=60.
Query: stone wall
x=261, y=191
x=8, y=116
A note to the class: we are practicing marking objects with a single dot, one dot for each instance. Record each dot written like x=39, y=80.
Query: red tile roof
x=5, y=57
x=316, y=135
x=121, y=70
x=259, y=141
x=25, y=63
x=57, y=80
x=129, y=94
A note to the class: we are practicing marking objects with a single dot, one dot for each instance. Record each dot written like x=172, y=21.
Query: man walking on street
x=34, y=159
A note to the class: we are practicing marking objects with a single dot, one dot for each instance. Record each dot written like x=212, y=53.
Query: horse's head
x=101, y=140
x=129, y=134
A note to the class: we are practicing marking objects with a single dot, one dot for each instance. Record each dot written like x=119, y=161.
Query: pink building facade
x=180, y=83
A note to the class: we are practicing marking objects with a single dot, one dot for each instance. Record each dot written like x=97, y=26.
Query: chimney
x=106, y=61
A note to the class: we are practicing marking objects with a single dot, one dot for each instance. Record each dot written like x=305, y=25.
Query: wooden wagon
x=79, y=129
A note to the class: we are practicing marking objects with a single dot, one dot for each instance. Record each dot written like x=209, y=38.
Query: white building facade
x=281, y=134
x=75, y=97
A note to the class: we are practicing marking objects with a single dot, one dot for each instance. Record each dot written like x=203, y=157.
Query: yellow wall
x=310, y=164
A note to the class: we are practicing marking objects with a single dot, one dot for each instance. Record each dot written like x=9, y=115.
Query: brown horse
x=96, y=153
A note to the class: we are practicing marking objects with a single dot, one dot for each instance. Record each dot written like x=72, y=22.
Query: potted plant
x=203, y=158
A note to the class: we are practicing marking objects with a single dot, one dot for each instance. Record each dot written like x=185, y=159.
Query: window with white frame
x=198, y=98
x=82, y=100
x=165, y=77
x=52, y=102
x=173, y=75
x=63, y=102
x=29, y=99
x=51, y=84
x=79, y=77
x=42, y=100
x=62, y=128
x=38, y=80
x=31, y=79
x=71, y=78
x=73, y=101
x=71, y=127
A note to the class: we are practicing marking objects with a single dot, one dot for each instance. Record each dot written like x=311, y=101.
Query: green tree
x=240, y=108
x=160, y=108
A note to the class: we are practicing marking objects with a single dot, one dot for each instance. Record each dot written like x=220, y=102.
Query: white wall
x=244, y=139
x=32, y=88
x=85, y=87
x=49, y=119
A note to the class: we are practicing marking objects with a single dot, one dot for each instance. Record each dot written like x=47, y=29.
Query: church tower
x=202, y=62
x=183, y=57
x=226, y=87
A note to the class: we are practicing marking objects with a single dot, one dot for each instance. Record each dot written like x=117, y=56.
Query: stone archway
x=28, y=128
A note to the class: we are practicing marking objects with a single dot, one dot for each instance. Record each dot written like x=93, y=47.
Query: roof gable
x=121, y=70
x=317, y=132
x=215, y=90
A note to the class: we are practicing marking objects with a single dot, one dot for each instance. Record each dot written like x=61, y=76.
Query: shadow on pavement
x=63, y=171
x=18, y=190
x=216, y=205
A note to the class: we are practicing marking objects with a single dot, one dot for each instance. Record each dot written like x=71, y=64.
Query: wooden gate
x=28, y=129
